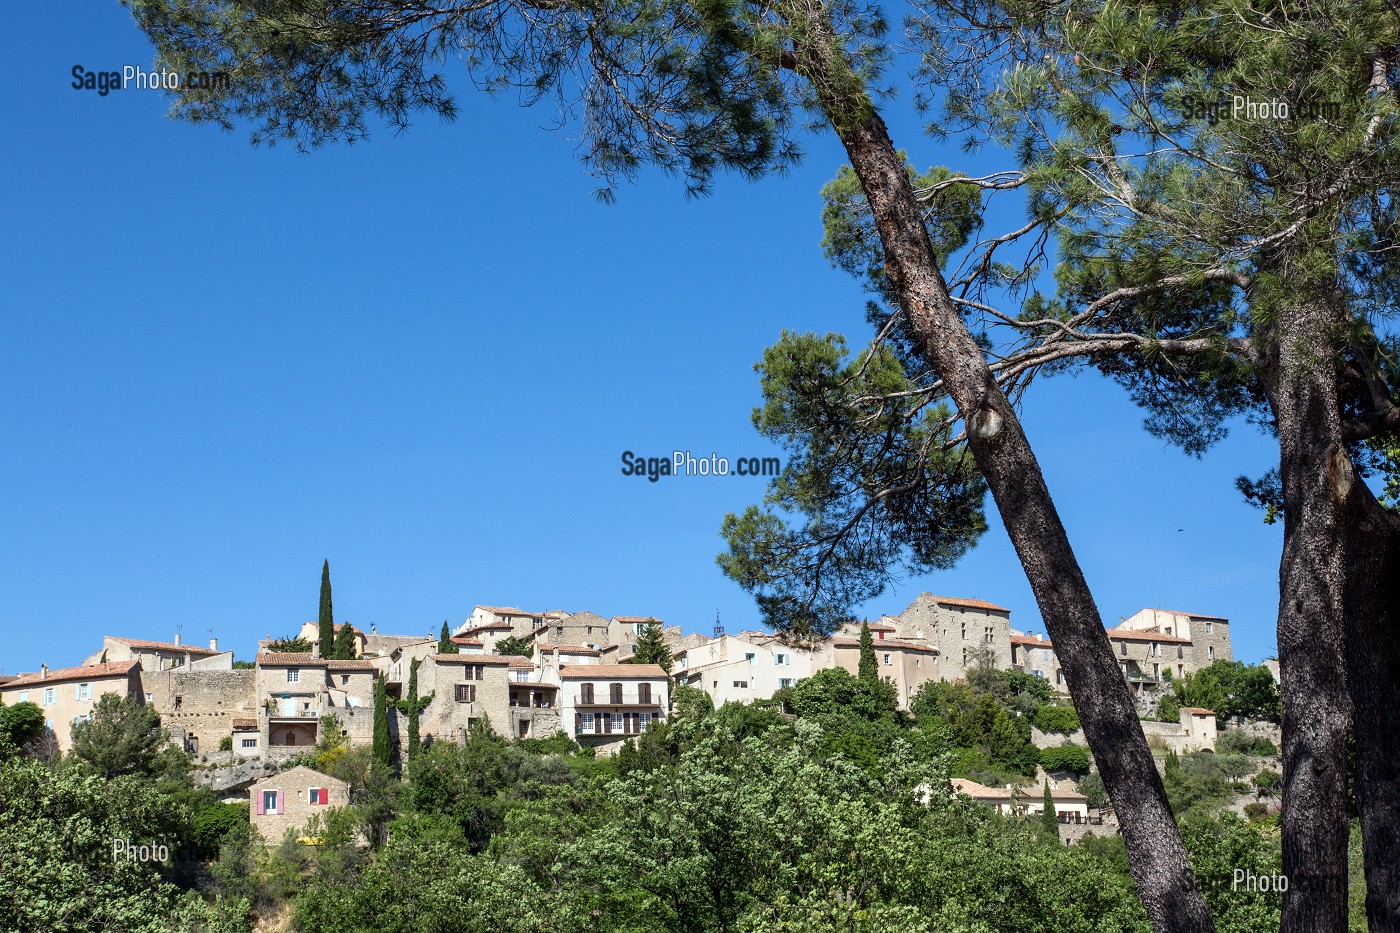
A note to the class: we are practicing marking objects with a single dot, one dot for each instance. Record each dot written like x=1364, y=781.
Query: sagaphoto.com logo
x=685, y=463
x=134, y=77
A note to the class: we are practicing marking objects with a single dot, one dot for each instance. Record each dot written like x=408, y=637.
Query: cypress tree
x=445, y=645
x=1049, y=819
x=412, y=712
x=381, y=751
x=869, y=671
x=651, y=648
x=344, y=647
x=327, y=638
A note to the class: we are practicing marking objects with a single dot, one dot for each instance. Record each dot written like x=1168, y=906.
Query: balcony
x=623, y=699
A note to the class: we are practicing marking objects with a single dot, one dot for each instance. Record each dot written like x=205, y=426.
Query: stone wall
x=200, y=705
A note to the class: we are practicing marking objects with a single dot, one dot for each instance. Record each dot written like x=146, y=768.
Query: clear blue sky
x=421, y=358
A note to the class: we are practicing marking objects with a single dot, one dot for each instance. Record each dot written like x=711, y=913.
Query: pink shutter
x=280, y=807
x=258, y=799
x=323, y=795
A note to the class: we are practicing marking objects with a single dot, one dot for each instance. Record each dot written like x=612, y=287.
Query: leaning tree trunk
x=1317, y=476
x=1371, y=619
x=1156, y=855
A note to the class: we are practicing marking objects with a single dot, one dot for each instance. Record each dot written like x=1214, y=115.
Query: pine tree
x=327, y=638
x=344, y=647
x=869, y=671
x=381, y=750
x=651, y=648
x=445, y=645
x=104, y=657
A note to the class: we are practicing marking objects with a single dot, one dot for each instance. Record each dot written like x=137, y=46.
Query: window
x=586, y=723
x=318, y=796
x=1210, y=627
x=887, y=658
x=24, y=696
x=466, y=693
x=249, y=743
x=741, y=684
x=1156, y=670
x=644, y=721
x=269, y=801
x=558, y=631
x=344, y=679
x=178, y=701
x=590, y=630
x=1123, y=648
x=881, y=634
x=1179, y=652
x=83, y=692
x=1059, y=677
x=780, y=660
x=86, y=717
x=474, y=672
x=585, y=693
x=964, y=657
x=784, y=681
x=293, y=675
x=644, y=693
x=964, y=631
x=1168, y=629
x=522, y=677
x=749, y=656
x=614, y=693
x=1210, y=653
x=48, y=696
x=616, y=722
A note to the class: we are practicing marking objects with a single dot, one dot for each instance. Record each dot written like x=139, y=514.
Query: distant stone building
x=957, y=627
x=739, y=670
x=286, y=802
x=162, y=655
x=605, y=704
x=67, y=695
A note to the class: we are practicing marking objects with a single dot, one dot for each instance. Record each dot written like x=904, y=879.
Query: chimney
x=315, y=649
x=213, y=644
x=177, y=638
x=43, y=671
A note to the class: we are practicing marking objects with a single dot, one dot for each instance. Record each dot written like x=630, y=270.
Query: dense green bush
x=1072, y=758
x=1062, y=719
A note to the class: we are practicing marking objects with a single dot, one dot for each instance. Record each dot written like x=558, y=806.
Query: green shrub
x=1062, y=719
x=1072, y=758
x=226, y=744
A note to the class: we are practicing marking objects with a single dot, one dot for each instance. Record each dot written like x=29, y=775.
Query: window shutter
x=280, y=807
x=258, y=800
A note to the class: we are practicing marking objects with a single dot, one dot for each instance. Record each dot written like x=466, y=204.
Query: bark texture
x=1317, y=478
x=1372, y=630
x=1156, y=855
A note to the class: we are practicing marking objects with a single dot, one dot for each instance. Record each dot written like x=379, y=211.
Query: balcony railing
x=604, y=698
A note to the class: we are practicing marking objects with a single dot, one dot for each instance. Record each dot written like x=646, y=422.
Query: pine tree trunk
x=1371, y=618
x=1156, y=855
x=1316, y=476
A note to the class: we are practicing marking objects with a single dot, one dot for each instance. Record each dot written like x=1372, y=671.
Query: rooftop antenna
x=719, y=628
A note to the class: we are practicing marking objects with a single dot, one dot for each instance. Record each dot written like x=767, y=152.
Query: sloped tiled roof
x=507, y=611
x=245, y=725
x=518, y=663
x=612, y=670
x=359, y=664
x=638, y=619
x=1127, y=634
x=470, y=659
x=1199, y=711
x=969, y=603
x=164, y=646
x=1189, y=615
x=1032, y=641
x=90, y=672
x=885, y=643
x=289, y=659
x=570, y=649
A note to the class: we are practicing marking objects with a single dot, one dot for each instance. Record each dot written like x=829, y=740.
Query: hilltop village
x=535, y=674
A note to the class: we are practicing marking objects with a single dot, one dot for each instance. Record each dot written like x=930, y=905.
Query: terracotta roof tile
x=90, y=672
x=885, y=643
x=470, y=659
x=1127, y=634
x=289, y=659
x=359, y=664
x=612, y=670
x=1199, y=711
x=638, y=619
x=1033, y=641
x=1189, y=615
x=164, y=646
x=969, y=603
x=245, y=725
x=570, y=649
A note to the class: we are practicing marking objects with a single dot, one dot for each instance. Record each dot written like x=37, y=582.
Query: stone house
x=199, y=707
x=294, y=690
x=1070, y=805
x=311, y=631
x=605, y=704
x=67, y=695
x=735, y=669
x=534, y=701
x=908, y=663
x=288, y=800
x=1036, y=656
x=576, y=628
x=956, y=627
x=522, y=624
x=466, y=689
x=162, y=655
